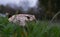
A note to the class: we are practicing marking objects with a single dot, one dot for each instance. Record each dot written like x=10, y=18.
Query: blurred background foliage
x=46, y=9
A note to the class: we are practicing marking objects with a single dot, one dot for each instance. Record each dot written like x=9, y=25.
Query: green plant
x=34, y=29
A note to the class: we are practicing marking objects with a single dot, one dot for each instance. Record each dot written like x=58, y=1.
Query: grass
x=34, y=29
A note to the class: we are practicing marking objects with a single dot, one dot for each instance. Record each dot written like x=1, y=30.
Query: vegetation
x=34, y=29
x=46, y=9
x=50, y=9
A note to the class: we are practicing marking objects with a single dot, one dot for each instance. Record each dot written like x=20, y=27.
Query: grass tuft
x=34, y=29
